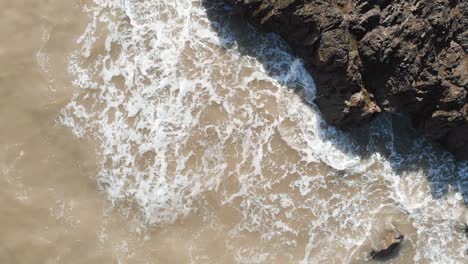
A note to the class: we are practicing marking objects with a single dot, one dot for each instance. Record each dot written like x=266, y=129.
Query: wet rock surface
x=390, y=246
x=368, y=57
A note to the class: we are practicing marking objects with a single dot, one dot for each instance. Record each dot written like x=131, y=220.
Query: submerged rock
x=367, y=57
x=391, y=246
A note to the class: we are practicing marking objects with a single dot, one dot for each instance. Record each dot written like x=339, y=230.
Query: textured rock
x=390, y=247
x=371, y=56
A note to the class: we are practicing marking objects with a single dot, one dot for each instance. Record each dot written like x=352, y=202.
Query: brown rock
x=367, y=57
x=390, y=246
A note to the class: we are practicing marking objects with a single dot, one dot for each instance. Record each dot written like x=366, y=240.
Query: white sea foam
x=181, y=100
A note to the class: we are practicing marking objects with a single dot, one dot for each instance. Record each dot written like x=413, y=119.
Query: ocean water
x=200, y=143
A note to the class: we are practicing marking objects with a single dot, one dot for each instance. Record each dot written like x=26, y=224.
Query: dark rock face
x=370, y=56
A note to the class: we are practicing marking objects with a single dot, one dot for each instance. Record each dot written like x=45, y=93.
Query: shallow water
x=170, y=132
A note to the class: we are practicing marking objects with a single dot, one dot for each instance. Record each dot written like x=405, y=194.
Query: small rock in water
x=463, y=229
x=392, y=244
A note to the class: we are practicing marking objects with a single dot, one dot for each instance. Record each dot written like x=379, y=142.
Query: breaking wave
x=184, y=99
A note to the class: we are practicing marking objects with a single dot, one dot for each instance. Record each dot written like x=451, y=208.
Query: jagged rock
x=371, y=56
x=390, y=247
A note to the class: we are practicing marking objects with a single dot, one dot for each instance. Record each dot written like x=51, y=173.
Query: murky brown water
x=139, y=138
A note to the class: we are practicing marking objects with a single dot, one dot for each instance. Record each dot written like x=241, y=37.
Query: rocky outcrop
x=372, y=56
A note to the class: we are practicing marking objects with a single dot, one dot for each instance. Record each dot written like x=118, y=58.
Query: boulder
x=390, y=247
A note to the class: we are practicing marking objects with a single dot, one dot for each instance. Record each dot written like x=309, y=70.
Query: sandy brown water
x=50, y=210
x=254, y=197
